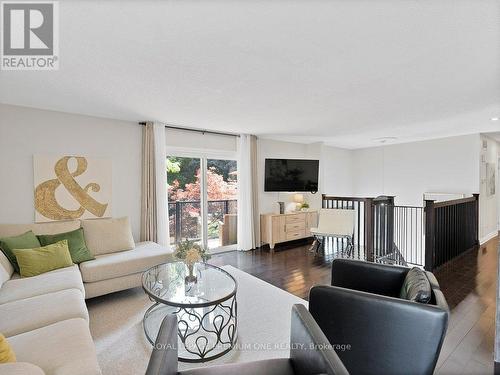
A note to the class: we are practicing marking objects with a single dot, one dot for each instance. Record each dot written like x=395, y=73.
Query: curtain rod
x=196, y=130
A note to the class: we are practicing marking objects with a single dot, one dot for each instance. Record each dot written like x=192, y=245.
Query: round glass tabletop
x=166, y=283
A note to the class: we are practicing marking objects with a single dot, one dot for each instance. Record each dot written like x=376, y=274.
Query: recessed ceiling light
x=495, y=118
x=384, y=139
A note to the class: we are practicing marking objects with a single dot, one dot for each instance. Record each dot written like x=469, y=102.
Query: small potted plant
x=304, y=206
x=190, y=253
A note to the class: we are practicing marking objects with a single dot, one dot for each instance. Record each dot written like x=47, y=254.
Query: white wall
x=335, y=163
x=488, y=217
x=335, y=176
x=26, y=131
x=450, y=165
x=203, y=142
x=407, y=171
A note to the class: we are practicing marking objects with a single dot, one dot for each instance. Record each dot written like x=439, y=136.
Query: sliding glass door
x=184, y=198
x=202, y=196
x=222, y=204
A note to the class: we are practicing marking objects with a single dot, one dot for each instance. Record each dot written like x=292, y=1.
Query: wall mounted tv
x=291, y=175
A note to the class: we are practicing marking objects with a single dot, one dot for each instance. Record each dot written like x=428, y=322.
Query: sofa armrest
x=163, y=360
x=385, y=333
x=310, y=351
x=20, y=368
x=439, y=300
x=432, y=280
x=368, y=277
x=437, y=295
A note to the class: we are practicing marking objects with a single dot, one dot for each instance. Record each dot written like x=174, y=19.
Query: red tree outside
x=217, y=189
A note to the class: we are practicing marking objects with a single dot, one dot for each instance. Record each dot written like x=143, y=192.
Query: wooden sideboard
x=276, y=228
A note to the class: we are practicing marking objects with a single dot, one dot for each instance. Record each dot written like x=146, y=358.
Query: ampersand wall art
x=71, y=187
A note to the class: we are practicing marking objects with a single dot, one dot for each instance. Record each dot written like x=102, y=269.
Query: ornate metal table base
x=205, y=333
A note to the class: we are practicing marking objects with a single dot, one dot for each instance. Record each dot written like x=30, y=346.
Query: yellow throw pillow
x=6, y=353
x=33, y=262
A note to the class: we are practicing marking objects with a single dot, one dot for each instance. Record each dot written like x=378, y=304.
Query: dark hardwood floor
x=468, y=283
x=291, y=267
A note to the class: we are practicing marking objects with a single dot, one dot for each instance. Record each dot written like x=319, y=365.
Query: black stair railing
x=184, y=216
x=427, y=236
x=451, y=229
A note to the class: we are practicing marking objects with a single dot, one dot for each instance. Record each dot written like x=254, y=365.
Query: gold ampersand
x=45, y=199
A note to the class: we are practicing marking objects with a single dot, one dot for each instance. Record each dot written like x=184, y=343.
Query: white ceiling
x=342, y=72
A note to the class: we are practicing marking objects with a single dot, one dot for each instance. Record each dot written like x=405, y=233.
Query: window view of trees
x=184, y=196
x=183, y=176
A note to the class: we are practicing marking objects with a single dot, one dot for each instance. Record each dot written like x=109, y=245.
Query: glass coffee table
x=206, y=309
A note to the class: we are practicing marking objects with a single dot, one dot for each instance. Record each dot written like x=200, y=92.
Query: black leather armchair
x=310, y=353
x=387, y=335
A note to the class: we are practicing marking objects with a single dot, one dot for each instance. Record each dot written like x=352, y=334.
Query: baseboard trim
x=488, y=237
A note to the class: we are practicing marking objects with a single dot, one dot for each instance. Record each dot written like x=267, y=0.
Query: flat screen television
x=291, y=175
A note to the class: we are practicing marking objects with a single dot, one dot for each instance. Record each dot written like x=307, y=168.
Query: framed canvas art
x=71, y=187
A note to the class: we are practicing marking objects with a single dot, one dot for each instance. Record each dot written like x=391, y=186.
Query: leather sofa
x=387, y=335
x=310, y=353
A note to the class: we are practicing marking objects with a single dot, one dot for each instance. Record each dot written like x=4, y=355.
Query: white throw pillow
x=56, y=227
x=105, y=236
x=51, y=227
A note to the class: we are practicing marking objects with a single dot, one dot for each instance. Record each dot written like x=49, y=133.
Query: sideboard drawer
x=291, y=219
x=295, y=234
x=279, y=228
x=295, y=226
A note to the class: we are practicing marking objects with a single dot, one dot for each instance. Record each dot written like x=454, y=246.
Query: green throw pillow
x=33, y=262
x=26, y=240
x=76, y=243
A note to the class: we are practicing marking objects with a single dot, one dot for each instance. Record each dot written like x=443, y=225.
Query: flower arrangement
x=190, y=252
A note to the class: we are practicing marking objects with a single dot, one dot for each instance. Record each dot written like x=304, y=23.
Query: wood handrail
x=447, y=229
x=454, y=202
x=451, y=229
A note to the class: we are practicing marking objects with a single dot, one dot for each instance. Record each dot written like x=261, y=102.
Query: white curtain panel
x=163, y=236
x=248, y=223
x=154, y=215
x=148, y=201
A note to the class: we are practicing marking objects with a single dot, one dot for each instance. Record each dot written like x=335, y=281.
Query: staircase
x=426, y=236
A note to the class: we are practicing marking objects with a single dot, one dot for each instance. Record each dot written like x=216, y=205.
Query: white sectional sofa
x=122, y=270
x=45, y=318
x=46, y=322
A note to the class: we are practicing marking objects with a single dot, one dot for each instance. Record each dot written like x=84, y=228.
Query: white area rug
x=264, y=313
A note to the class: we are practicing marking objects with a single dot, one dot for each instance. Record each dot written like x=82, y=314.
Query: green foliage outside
x=184, y=180
x=184, y=169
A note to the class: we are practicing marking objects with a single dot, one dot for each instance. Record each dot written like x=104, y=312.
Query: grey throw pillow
x=416, y=286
